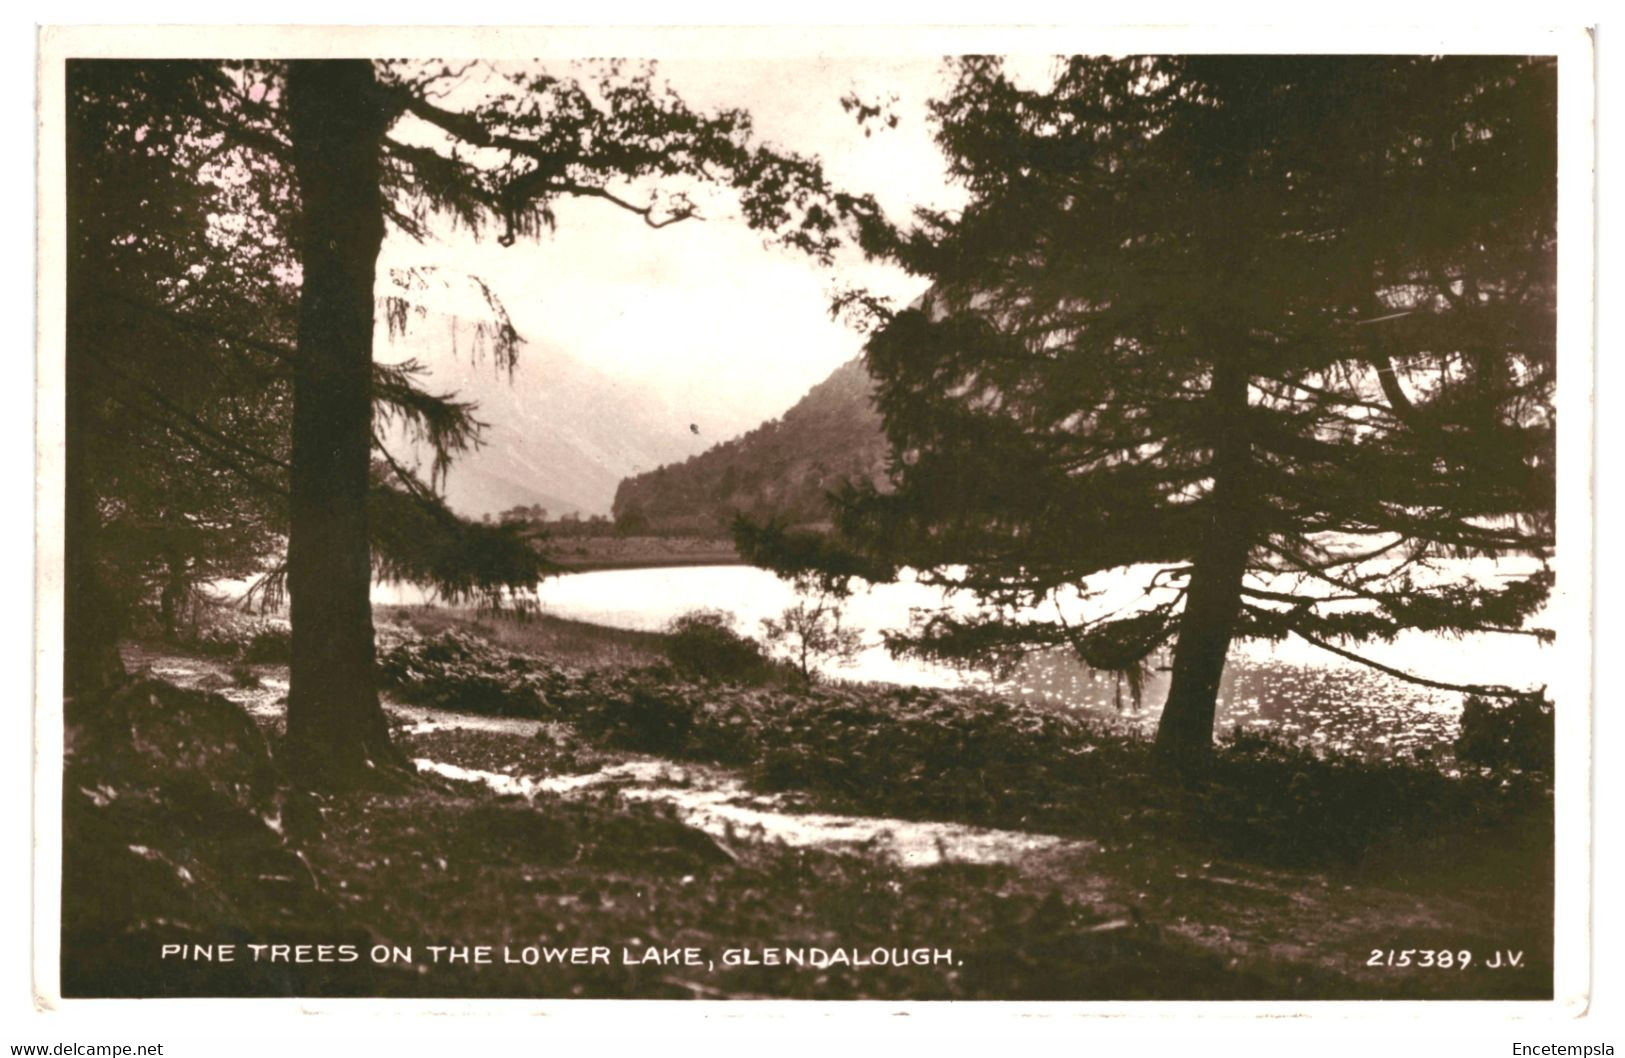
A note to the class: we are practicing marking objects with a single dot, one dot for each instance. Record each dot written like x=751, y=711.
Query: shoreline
x=673, y=562
x=1221, y=889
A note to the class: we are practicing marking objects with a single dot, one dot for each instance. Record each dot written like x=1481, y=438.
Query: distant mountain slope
x=561, y=434
x=783, y=468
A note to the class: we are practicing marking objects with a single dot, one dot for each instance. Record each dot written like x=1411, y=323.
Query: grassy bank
x=559, y=639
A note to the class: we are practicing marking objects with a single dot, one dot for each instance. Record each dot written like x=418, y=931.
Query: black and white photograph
x=726, y=515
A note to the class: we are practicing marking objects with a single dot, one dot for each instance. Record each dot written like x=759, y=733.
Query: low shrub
x=1269, y=800
x=453, y=670
x=243, y=638
x=645, y=719
x=1516, y=735
x=931, y=754
x=702, y=645
x=965, y=757
x=216, y=642
x=650, y=710
x=270, y=644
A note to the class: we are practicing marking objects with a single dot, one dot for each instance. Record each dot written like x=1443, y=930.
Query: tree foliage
x=235, y=212
x=185, y=284
x=184, y=210
x=173, y=438
x=487, y=143
x=1276, y=331
x=809, y=631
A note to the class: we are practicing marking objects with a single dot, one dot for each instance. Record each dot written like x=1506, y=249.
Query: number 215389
x=1422, y=958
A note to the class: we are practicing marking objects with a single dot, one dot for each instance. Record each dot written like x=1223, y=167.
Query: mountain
x=783, y=468
x=561, y=433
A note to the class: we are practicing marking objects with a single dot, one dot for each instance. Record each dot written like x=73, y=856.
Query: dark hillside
x=783, y=468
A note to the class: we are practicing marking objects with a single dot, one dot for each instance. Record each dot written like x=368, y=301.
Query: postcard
x=1076, y=517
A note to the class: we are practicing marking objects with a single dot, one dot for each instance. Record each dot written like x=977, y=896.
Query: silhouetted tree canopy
x=1276, y=331
x=189, y=290
x=225, y=220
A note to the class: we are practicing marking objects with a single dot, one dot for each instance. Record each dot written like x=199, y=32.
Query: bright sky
x=702, y=308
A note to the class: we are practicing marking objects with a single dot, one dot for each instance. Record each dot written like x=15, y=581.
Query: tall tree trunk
x=177, y=585
x=1213, y=596
x=92, y=614
x=91, y=619
x=336, y=728
x=169, y=606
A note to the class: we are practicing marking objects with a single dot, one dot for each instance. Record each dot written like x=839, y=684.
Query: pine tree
x=172, y=432
x=1277, y=332
x=334, y=152
x=183, y=306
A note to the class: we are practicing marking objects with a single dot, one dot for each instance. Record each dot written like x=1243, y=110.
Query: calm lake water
x=1292, y=688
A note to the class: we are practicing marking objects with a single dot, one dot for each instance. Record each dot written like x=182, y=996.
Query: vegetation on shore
x=967, y=757
x=174, y=805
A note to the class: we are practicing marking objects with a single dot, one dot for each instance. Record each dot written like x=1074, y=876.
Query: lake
x=1291, y=688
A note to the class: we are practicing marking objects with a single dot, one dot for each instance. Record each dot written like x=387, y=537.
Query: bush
x=244, y=639
x=1503, y=736
x=1265, y=799
x=646, y=720
x=453, y=670
x=269, y=644
x=702, y=644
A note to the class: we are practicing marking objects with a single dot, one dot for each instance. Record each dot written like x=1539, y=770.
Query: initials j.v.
x=1513, y=960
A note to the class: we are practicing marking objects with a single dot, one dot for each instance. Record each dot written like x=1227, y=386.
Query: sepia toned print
x=1040, y=523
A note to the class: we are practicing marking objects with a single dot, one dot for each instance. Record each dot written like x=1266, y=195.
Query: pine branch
x=1484, y=690
x=200, y=445
x=157, y=396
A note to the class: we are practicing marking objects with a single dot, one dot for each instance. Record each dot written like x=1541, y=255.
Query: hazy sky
x=702, y=308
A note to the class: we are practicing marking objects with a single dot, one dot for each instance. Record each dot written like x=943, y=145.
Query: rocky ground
x=678, y=838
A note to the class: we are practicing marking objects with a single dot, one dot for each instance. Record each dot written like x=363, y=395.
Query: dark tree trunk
x=92, y=619
x=336, y=728
x=1213, y=596
x=172, y=597
x=169, y=609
